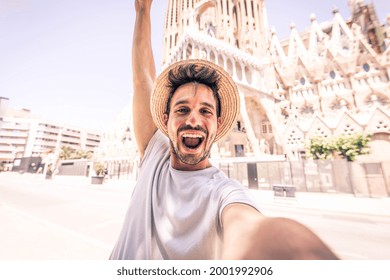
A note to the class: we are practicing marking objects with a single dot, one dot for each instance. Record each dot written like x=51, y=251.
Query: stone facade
x=117, y=149
x=331, y=80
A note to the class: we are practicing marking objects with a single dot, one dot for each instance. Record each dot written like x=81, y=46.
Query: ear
x=219, y=124
x=165, y=119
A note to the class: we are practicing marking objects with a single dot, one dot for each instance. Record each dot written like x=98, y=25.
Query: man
x=182, y=207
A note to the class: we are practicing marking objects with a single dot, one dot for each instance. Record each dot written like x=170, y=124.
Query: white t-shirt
x=176, y=214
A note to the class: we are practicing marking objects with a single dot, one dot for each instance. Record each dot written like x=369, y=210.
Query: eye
x=182, y=110
x=206, y=112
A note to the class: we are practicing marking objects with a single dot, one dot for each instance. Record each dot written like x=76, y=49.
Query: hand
x=142, y=4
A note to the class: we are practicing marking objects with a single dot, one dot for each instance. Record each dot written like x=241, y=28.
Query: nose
x=193, y=119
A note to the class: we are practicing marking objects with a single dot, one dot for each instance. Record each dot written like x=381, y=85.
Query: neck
x=179, y=165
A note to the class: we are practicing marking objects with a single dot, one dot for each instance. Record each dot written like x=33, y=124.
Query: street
x=70, y=219
x=42, y=219
x=352, y=236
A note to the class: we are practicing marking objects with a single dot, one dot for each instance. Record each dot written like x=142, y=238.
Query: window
x=366, y=67
x=266, y=128
x=239, y=150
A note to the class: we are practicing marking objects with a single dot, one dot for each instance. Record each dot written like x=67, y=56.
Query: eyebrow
x=181, y=102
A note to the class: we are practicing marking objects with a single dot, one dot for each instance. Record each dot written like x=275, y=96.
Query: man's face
x=192, y=125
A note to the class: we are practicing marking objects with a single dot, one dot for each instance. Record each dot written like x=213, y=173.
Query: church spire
x=239, y=23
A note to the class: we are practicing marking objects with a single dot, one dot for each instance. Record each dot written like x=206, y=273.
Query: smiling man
x=182, y=207
x=192, y=118
x=192, y=126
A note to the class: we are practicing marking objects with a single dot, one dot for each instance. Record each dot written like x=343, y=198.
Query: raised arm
x=144, y=74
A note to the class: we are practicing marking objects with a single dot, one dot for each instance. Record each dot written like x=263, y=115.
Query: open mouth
x=192, y=140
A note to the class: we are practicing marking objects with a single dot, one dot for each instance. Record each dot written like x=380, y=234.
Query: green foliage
x=99, y=168
x=351, y=146
x=83, y=154
x=70, y=153
x=321, y=147
x=345, y=146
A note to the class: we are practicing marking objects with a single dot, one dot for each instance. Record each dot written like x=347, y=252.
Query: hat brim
x=227, y=91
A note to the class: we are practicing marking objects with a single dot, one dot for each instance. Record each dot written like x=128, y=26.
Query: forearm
x=288, y=239
x=250, y=235
x=142, y=53
x=144, y=74
x=279, y=239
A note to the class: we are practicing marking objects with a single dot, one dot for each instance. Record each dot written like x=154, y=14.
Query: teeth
x=191, y=135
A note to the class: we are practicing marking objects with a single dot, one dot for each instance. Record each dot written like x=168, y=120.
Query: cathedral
x=330, y=80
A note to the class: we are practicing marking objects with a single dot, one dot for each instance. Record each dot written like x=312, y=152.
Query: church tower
x=239, y=23
x=331, y=80
x=365, y=16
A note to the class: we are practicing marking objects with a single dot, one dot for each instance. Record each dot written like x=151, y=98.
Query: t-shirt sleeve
x=158, y=145
x=235, y=193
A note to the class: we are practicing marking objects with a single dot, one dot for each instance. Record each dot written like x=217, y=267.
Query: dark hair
x=193, y=73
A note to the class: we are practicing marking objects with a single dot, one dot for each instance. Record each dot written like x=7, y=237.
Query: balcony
x=71, y=133
x=14, y=141
x=15, y=126
x=13, y=133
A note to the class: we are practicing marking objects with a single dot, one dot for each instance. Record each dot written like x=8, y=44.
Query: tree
x=66, y=153
x=344, y=146
x=70, y=153
x=354, y=145
x=321, y=147
x=83, y=154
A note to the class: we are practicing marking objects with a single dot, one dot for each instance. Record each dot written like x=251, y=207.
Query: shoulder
x=158, y=138
x=240, y=213
x=221, y=180
x=232, y=191
x=157, y=147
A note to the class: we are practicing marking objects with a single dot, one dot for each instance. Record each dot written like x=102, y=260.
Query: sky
x=70, y=60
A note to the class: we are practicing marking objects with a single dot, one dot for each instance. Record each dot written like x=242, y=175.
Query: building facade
x=117, y=150
x=330, y=80
x=24, y=135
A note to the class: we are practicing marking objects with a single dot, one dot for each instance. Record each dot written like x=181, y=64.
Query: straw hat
x=227, y=91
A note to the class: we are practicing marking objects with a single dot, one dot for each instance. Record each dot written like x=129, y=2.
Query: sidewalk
x=338, y=202
x=81, y=220
x=72, y=181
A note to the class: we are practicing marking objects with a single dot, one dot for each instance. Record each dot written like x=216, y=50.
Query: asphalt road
x=70, y=219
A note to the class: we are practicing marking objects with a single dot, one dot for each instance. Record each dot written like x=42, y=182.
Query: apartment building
x=24, y=135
